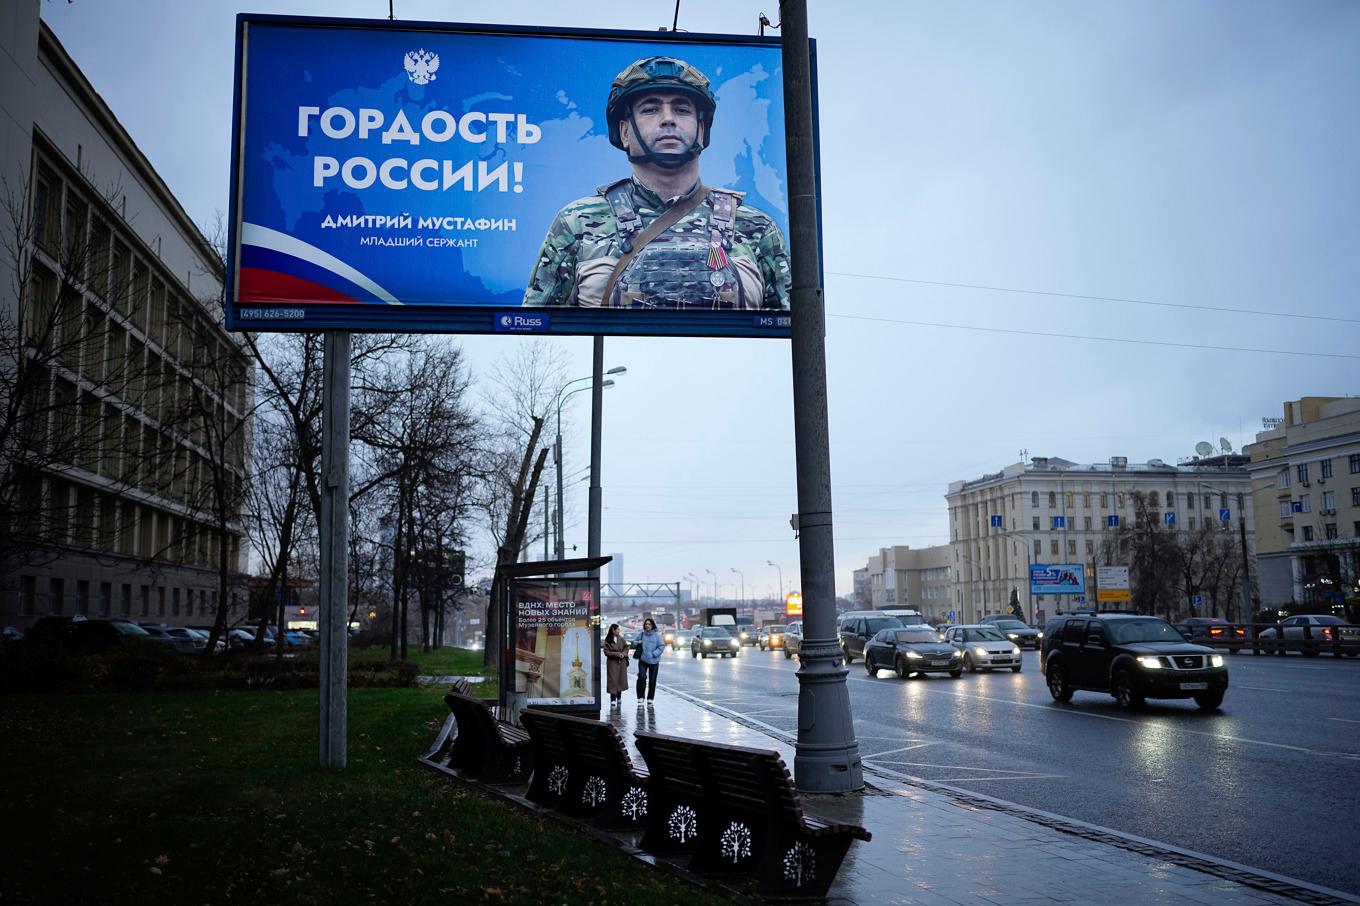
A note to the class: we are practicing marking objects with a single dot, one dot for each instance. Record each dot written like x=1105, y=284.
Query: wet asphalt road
x=1271, y=781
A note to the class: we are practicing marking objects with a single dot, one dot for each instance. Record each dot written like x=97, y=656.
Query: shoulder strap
x=677, y=212
x=620, y=199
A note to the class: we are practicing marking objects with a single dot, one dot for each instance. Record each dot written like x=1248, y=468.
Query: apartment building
x=903, y=576
x=135, y=400
x=1305, y=477
x=1053, y=511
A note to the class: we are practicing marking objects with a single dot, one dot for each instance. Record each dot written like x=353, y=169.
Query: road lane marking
x=1259, y=688
x=1345, y=720
x=919, y=745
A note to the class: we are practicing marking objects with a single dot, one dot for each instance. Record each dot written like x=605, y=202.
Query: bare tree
x=1152, y=551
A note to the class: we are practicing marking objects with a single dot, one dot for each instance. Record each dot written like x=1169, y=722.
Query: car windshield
x=1123, y=632
x=1010, y=624
x=774, y=629
x=982, y=635
x=129, y=628
x=915, y=636
x=876, y=624
x=716, y=632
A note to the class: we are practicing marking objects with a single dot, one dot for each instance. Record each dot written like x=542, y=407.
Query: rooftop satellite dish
x=1224, y=445
x=1204, y=448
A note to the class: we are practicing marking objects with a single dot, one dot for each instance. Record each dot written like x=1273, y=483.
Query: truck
x=720, y=616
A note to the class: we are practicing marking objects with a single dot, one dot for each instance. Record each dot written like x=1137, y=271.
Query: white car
x=984, y=648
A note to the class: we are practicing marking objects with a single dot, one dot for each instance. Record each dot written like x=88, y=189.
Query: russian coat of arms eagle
x=421, y=65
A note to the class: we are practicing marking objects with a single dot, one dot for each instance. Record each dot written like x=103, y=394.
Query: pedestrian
x=648, y=650
x=616, y=653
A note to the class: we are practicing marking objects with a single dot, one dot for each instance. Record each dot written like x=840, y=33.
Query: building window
x=146, y=601
x=174, y=602
x=1329, y=500
x=27, y=592
x=1067, y=500
x=1325, y=468
x=1303, y=472
x=1086, y=499
x=160, y=601
x=1053, y=546
x=1170, y=500
x=1038, y=548
x=1329, y=530
x=1286, y=509
x=1034, y=495
x=125, y=601
x=1355, y=496
x=1354, y=461
x=1036, y=519
x=1306, y=501
x=1052, y=499
x=1087, y=523
x=105, y=598
x=1090, y=547
x=1307, y=533
x=1071, y=548
x=82, y=597
x=1104, y=500
x=1282, y=479
x=1208, y=502
x=1120, y=498
x=1192, y=523
x=1154, y=499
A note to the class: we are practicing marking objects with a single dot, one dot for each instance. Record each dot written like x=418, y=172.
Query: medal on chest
x=717, y=259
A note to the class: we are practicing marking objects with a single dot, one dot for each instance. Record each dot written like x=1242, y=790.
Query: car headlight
x=1150, y=662
x=954, y=656
x=707, y=643
x=1215, y=660
x=980, y=651
x=1041, y=635
x=1011, y=635
x=914, y=655
x=1015, y=649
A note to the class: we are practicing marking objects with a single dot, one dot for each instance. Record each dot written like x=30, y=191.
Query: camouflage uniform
x=722, y=255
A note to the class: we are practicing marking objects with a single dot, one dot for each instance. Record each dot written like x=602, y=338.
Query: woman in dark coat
x=616, y=656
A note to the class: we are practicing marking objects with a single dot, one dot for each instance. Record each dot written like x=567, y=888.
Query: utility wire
x=1057, y=295
x=1073, y=336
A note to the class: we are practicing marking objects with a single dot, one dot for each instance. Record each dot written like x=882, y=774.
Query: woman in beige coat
x=616, y=656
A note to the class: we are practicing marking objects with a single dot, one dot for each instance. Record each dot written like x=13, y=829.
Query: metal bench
x=485, y=748
x=582, y=768
x=736, y=810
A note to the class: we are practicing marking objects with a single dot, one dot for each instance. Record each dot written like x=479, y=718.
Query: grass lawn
x=216, y=797
x=437, y=662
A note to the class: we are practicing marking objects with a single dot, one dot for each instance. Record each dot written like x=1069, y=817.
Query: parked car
x=296, y=639
x=1018, y=631
x=771, y=637
x=747, y=634
x=714, y=640
x=793, y=639
x=984, y=647
x=181, y=641
x=859, y=626
x=1213, y=630
x=47, y=631
x=913, y=650
x=1312, y=633
x=205, y=635
x=99, y=636
x=1131, y=657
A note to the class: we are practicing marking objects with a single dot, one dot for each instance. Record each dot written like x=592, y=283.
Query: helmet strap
x=666, y=160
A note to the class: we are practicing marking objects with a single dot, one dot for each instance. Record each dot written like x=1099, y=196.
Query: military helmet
x=665, y=74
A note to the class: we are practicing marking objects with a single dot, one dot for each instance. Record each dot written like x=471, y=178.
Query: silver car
x=984, y=648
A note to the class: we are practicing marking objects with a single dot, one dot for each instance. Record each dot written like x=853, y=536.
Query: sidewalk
x=935, y=846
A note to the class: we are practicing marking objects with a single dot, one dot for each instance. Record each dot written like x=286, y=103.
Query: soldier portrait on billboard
x=660, y=238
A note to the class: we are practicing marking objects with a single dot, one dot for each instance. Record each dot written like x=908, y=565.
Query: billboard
x=556, y=641
x=423, y=177
x=1112, y=584
x=1057, y=579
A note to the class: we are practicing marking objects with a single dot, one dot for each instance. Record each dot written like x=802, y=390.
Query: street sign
x=1112, y=521
x=1059, y=521
x=1169, y=518
x=1224, y=514
x=1197, y=600
x=1112, y=584
x=996, y=522
x=1296, y=506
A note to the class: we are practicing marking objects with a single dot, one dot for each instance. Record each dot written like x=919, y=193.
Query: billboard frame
x=1078, y=571
x=442, y=318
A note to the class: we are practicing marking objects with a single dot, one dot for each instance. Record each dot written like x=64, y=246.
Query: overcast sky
x=1196, y=155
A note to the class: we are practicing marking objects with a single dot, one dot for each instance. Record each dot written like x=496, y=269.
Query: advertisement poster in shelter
x=556, y=641
x=436, y=178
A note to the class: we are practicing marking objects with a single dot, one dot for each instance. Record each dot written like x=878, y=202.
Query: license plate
x=1187, y=687
x=939, y=663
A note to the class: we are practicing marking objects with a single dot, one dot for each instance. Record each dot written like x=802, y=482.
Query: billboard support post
x=827, y=756
x=596, y=425
x=334, y=611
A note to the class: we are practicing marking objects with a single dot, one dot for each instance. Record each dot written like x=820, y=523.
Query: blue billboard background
x=313, y=247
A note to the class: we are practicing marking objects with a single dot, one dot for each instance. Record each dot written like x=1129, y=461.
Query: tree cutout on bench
x=557, y=780
x=683, y=824
x=800, y=864
x=735, y=843
x=594, y=792
x=634, y=804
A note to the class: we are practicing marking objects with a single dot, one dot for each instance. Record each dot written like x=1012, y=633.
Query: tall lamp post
x=781, y=580
x=557, y=448
x=1245, y=582
x=715, y=586
x=743, y=584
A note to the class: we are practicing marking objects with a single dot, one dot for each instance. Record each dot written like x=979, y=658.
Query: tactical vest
x=687, y=266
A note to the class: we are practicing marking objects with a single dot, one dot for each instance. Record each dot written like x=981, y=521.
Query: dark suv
x=1131, y=657
x=858, y=627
